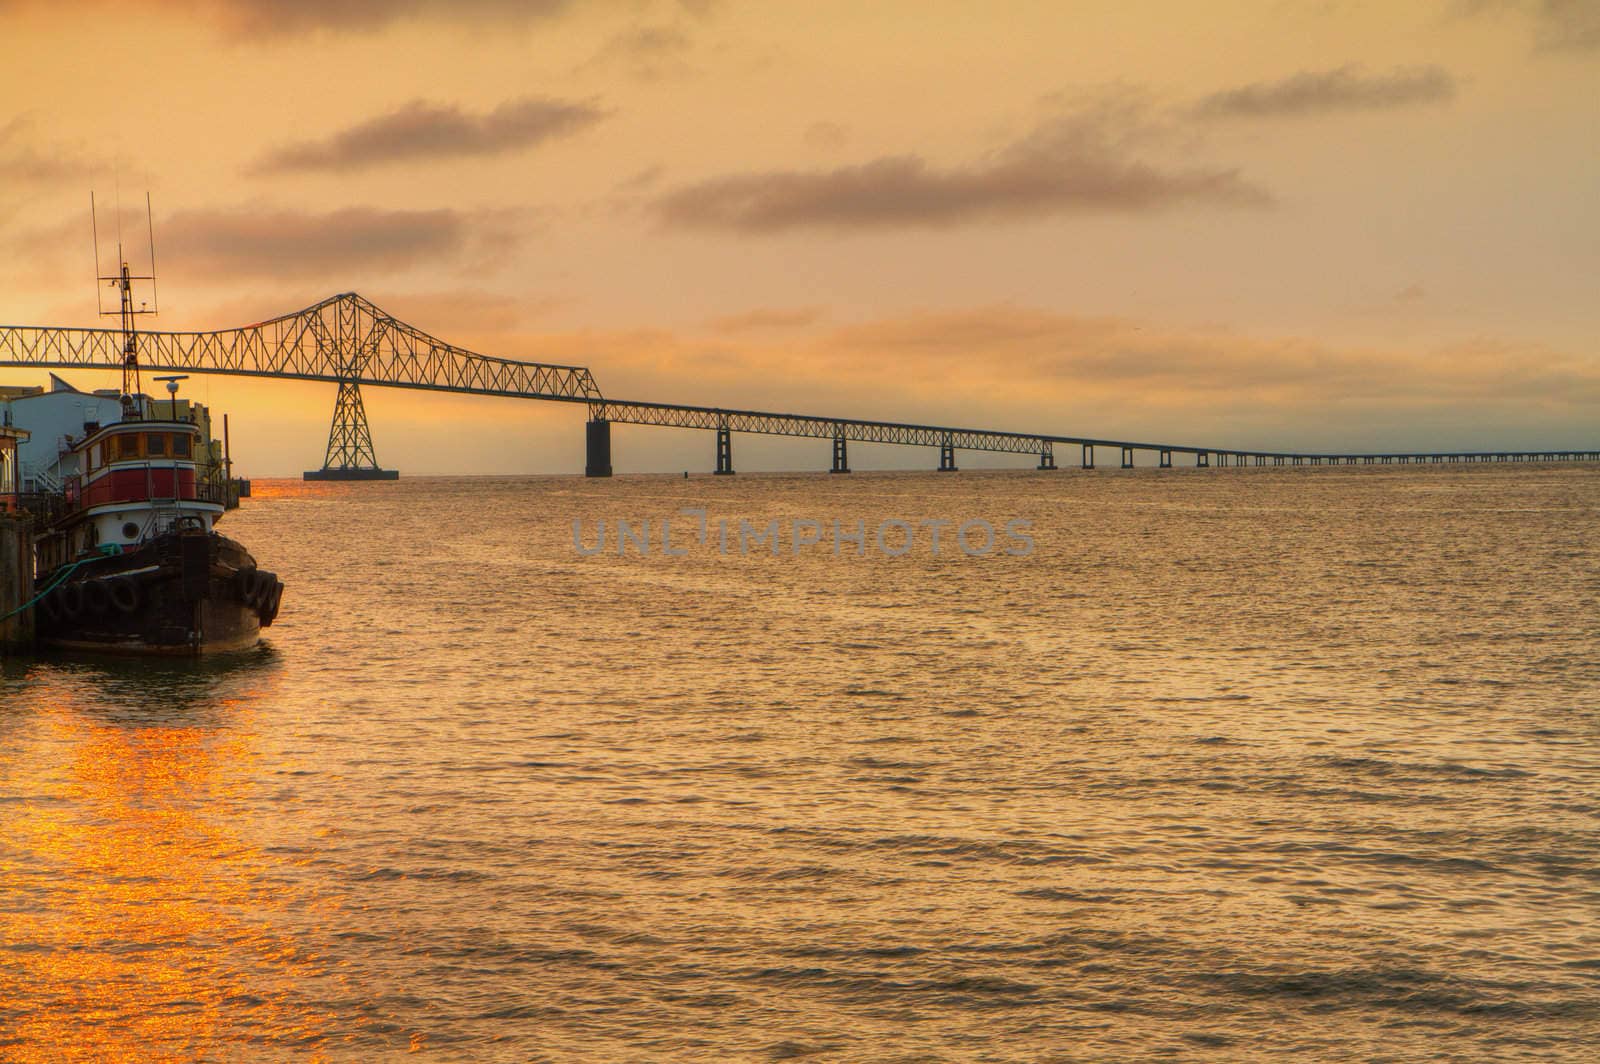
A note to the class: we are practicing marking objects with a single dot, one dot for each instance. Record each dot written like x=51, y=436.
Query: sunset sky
x=1273, y=224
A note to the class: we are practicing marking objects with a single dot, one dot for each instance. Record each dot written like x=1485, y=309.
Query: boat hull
x=181, y=594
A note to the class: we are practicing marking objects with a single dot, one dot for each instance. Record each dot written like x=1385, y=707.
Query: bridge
x=347, y=341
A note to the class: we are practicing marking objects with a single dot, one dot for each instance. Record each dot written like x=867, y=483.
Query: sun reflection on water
x=139, y=916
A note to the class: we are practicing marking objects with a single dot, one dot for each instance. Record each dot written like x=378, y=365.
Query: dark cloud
x=347, y=243
x=1073, y=165
x=1559, y=25
x=1346, y=88
x=1568, y=25
x=256, y=19
x=271, y=17
x=421, y=130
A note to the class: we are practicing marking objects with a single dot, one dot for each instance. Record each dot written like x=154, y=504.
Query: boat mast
x=122, y=281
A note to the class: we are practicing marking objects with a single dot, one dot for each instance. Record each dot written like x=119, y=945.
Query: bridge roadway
x=347, y=340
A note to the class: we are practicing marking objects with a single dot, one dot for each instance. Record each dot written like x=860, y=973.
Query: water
x=1239, y=763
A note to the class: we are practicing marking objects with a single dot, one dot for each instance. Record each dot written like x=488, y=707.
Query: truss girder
x=344, y=338
x=347, y=340
x=704, y=417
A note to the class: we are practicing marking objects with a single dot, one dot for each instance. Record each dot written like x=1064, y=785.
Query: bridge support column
x=1127, y=458
x=597, y=448
x=1201, y=459
x=1047, y=456
x=947, y=456
x=1299, y=460
x=841, y=456
x=1165, y=461
x=1088, y=456
x=724, y=453
x=1277, y=459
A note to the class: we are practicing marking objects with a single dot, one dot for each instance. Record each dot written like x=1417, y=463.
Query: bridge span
x=346, y=340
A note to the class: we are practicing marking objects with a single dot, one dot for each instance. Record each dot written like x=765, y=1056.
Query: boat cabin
x=138, y=481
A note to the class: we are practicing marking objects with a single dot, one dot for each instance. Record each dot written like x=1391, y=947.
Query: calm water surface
x=1238, y=764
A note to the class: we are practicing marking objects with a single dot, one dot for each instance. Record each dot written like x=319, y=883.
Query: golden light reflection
x=140, y=922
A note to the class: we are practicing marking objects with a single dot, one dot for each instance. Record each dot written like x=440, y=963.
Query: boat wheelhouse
x=139, y=480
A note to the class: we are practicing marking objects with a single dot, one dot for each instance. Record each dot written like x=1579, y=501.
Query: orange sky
x=1269, y=224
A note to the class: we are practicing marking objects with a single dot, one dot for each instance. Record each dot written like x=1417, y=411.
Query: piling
x=597, y=448
x=16, y=584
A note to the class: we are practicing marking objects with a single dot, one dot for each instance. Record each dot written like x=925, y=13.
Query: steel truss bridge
x=346, y=340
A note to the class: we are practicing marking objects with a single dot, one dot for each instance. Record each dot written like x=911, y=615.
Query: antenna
x=94, y=227
x=150, y=223
x=123, y=280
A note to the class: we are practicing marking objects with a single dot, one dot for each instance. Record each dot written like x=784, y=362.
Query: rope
x=104, y=551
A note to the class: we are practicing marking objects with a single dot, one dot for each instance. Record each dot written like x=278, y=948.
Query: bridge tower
x=350, y=454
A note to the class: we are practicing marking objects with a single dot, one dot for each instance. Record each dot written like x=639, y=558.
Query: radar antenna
x=122, y=281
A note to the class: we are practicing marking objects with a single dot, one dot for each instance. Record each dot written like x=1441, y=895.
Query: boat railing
x=171, y=489
x=45, y=507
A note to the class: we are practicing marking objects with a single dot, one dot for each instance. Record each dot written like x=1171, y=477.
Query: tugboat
x=133, y=565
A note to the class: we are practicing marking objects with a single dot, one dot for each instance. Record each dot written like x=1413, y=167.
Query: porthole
x=130, y=531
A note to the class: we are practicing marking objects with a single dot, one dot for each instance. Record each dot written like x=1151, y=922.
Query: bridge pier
x=1088, y=456
x=1299, y=460
x=724, y=452
x=1277, y=459
x=597, y=448
x=1127, y=458
x=1165, y=461
x=1201, y=459
x=947, y=457
x=1047, y=456
x=841, y=456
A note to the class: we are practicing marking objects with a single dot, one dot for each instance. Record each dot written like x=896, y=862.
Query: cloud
x=767, y=319
x=422, y=130
x=1345, y=88
x=1081, y=163
x=648, y=53
x=23, y=161
x=1559, y=25
x=254, y=19
x=827, y=135
x=348, y=243
x=288, y=17
x=251, y=20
